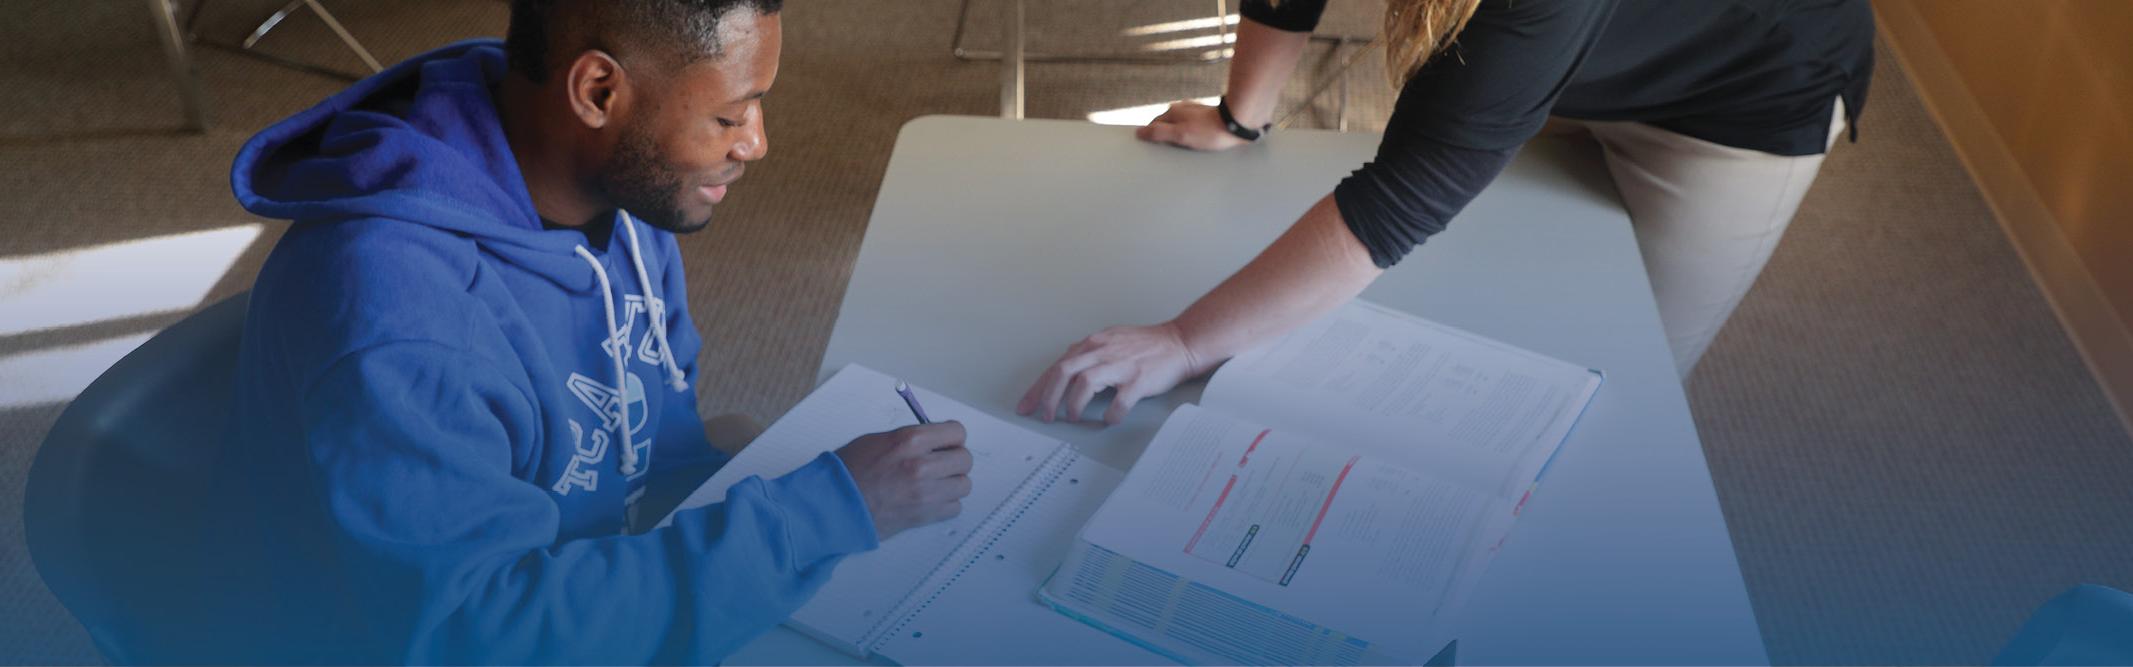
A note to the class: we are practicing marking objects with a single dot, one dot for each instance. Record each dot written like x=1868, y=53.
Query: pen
x=910, y=399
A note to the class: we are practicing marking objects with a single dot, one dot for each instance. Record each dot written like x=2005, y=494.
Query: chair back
x=2086, y=625
x=112, y=512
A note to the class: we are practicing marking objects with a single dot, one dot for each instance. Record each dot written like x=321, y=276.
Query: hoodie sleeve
x=446, y=557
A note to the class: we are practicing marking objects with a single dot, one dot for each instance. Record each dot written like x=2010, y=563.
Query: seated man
x=470, y=358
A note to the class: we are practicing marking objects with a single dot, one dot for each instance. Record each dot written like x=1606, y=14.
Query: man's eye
x=728, y=123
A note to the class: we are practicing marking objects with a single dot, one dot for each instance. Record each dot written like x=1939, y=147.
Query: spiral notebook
x=957, y=592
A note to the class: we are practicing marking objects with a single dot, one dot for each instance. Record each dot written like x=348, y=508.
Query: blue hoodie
x=444, y=412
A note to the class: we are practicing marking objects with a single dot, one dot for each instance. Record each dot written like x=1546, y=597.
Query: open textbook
x=1333, y=499
x=1399, y=452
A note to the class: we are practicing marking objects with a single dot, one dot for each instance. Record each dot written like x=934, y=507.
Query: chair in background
x=274, y=20
x=323, y=15
x=175, y=37
x=110, y=514
x=181, y=63
x=1014, y=53
x=2088, y=625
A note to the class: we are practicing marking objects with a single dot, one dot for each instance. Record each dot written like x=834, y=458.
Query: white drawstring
x=657, y=306
x=658, y=311
x=622, y=389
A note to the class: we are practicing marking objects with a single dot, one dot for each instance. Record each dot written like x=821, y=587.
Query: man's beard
x=637, y=180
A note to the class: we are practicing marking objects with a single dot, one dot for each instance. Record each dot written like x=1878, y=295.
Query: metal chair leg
x=1013, y=33
x=346, y=38
x=1228, y=43
x=1014, y=56
x=181, y=64
x=272, y=21
x=962, y=19
x=1340, y=78
x=1340, y=123
x=323, y=15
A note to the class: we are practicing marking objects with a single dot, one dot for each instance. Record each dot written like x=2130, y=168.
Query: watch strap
x=1229, y=121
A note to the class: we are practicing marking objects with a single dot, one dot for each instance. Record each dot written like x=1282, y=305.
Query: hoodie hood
x=420, y=142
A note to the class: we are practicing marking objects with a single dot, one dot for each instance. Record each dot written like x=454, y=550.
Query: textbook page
x=1430, y=396
x=866, y=587
x=1233, y=543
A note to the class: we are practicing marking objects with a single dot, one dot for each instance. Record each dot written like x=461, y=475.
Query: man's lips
x=716, y=192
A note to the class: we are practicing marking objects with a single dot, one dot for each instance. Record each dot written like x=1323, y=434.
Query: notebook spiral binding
x=994, y=527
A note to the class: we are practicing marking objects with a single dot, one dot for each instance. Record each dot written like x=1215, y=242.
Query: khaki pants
x=1706, y=216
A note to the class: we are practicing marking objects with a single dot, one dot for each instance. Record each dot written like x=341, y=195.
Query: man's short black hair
x=681, y=31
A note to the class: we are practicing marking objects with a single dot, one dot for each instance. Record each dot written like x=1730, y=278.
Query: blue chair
x=2089, y=625
x=111, y=514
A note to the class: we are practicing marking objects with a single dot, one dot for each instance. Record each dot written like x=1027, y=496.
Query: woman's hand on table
x=1139, y=361
x=1190, y=125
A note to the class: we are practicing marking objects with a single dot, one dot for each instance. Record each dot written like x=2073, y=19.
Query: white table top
x=994, y=244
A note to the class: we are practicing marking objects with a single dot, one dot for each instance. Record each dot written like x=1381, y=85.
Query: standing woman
x=1714, y=116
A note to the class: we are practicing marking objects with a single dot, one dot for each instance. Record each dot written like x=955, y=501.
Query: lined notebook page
x=864, y=589
x=983, y=608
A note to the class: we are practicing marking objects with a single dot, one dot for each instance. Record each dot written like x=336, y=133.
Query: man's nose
x=753, y=143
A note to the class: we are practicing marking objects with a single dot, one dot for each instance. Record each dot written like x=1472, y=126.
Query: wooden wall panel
x=2037, y=97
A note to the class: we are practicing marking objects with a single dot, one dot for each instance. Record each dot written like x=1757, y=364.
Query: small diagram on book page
x=1269, y=510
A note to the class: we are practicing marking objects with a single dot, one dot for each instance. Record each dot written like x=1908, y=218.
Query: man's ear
x=596, y=84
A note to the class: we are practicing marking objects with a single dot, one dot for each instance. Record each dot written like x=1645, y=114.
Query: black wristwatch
x=1242, y=132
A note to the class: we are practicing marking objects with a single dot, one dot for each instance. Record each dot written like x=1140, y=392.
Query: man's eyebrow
x=757, y=95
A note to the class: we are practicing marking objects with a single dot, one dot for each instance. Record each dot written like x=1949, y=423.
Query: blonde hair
x=1416, y=30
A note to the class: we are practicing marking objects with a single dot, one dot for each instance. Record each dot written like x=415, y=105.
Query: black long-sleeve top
x=1755, y=74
